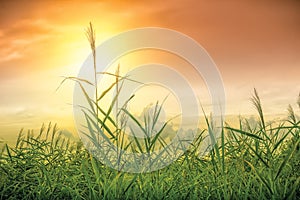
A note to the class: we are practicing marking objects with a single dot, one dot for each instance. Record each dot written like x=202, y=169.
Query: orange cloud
x=254, y=44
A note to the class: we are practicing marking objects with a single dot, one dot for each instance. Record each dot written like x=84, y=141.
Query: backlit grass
x=252, y=161
x=258, y=160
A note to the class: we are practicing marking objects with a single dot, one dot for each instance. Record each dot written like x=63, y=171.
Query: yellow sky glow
x=253, y=43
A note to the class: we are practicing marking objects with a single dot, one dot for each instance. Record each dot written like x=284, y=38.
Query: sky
x=254, y=43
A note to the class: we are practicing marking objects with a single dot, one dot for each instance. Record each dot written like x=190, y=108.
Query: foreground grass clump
x=253, y=161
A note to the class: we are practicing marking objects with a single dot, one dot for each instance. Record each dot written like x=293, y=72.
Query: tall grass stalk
x=91, y=35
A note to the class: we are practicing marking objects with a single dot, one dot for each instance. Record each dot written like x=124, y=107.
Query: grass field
x=252, y=161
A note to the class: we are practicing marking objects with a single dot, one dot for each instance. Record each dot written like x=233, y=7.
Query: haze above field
x=253, y=43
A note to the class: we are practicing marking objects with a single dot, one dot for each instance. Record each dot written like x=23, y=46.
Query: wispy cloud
x=16, y=39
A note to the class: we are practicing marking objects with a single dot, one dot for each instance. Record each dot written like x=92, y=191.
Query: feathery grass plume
x=257, y=103
x=91, y=35
x=291, y=115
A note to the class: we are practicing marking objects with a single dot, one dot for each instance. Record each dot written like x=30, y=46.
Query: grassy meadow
x=257, y=161
x=254, y=160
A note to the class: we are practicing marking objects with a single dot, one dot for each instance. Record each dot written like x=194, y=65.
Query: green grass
x=252, y=161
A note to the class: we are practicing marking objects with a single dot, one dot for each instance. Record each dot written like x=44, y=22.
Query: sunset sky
x=254, y=43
